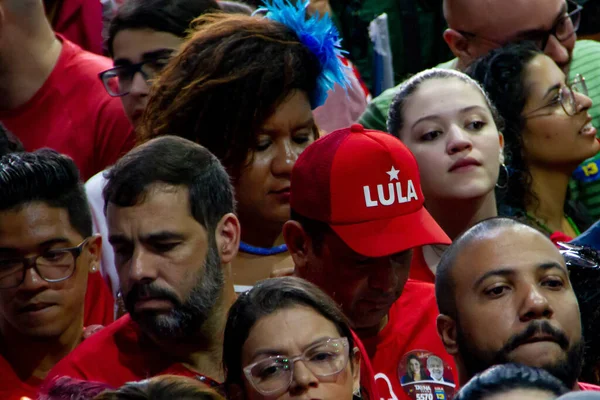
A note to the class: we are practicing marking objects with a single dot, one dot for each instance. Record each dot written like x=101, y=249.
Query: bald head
x=478, y=26
x=510, y=16
x=445, y=276
x=459, y=13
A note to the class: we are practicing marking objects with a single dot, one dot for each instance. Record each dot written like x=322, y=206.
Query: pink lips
x=588, y=129
x=282, y=194
x=463, y=163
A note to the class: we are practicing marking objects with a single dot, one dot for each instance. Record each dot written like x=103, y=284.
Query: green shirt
x=586, y=61
x=375, y=116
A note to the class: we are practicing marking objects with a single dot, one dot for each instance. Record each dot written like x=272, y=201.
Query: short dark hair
x=9, y=143
x=444, y=281
x=164, y=387
x=227, y=80
x=48, y=177
x=507, y=377
x=395, y=121
x=173, y=161
x=172, y=16
x=265, y=298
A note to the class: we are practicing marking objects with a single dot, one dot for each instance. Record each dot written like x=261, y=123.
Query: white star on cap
x=393, y=173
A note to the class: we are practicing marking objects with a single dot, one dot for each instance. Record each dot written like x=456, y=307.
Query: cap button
x=357, y=128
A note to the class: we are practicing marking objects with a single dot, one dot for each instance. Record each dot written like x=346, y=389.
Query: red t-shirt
x=558, y=236
x=73, y=114
x=99, y=307
x=367, y=375
x=115, y=355
x=11, y=386
x=80, y=21
x=410, y=339
x=419, y=270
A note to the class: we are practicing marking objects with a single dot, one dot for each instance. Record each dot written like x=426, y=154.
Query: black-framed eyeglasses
x=274, y=374
x=53, y=266
x=118, y=80
x=566, y=97
x=563, y=29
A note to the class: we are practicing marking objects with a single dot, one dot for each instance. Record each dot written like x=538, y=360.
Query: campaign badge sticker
x=425, y=376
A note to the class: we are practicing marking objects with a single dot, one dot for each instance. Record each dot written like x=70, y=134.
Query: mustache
x=535, y=328
x=143, y=291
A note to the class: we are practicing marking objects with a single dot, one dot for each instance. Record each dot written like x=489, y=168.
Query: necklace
x=550, y=231
x=262, y=251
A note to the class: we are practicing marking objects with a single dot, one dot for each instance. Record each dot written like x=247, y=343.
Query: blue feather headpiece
x=320, y=36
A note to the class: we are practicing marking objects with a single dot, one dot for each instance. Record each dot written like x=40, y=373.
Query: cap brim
x=385, y=237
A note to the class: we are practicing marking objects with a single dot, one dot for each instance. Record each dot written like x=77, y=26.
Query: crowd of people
x=202, y=199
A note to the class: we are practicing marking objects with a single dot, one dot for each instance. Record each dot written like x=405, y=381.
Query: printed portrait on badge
x=425, y=376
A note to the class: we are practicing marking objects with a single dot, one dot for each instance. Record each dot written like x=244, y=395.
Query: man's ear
x=446, y=328
x=459, y=45
x=227, y=236
x=94, y=248
x=298, y=244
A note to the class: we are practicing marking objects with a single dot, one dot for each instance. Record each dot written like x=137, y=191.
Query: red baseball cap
x=365, y=185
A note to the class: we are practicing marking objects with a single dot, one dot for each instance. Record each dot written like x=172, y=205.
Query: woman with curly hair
x=548, y=133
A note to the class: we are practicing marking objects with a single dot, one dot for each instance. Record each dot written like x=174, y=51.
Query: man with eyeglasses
x=476, y=27
x=142, y=37
x=50, y=95
x=47, y=251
